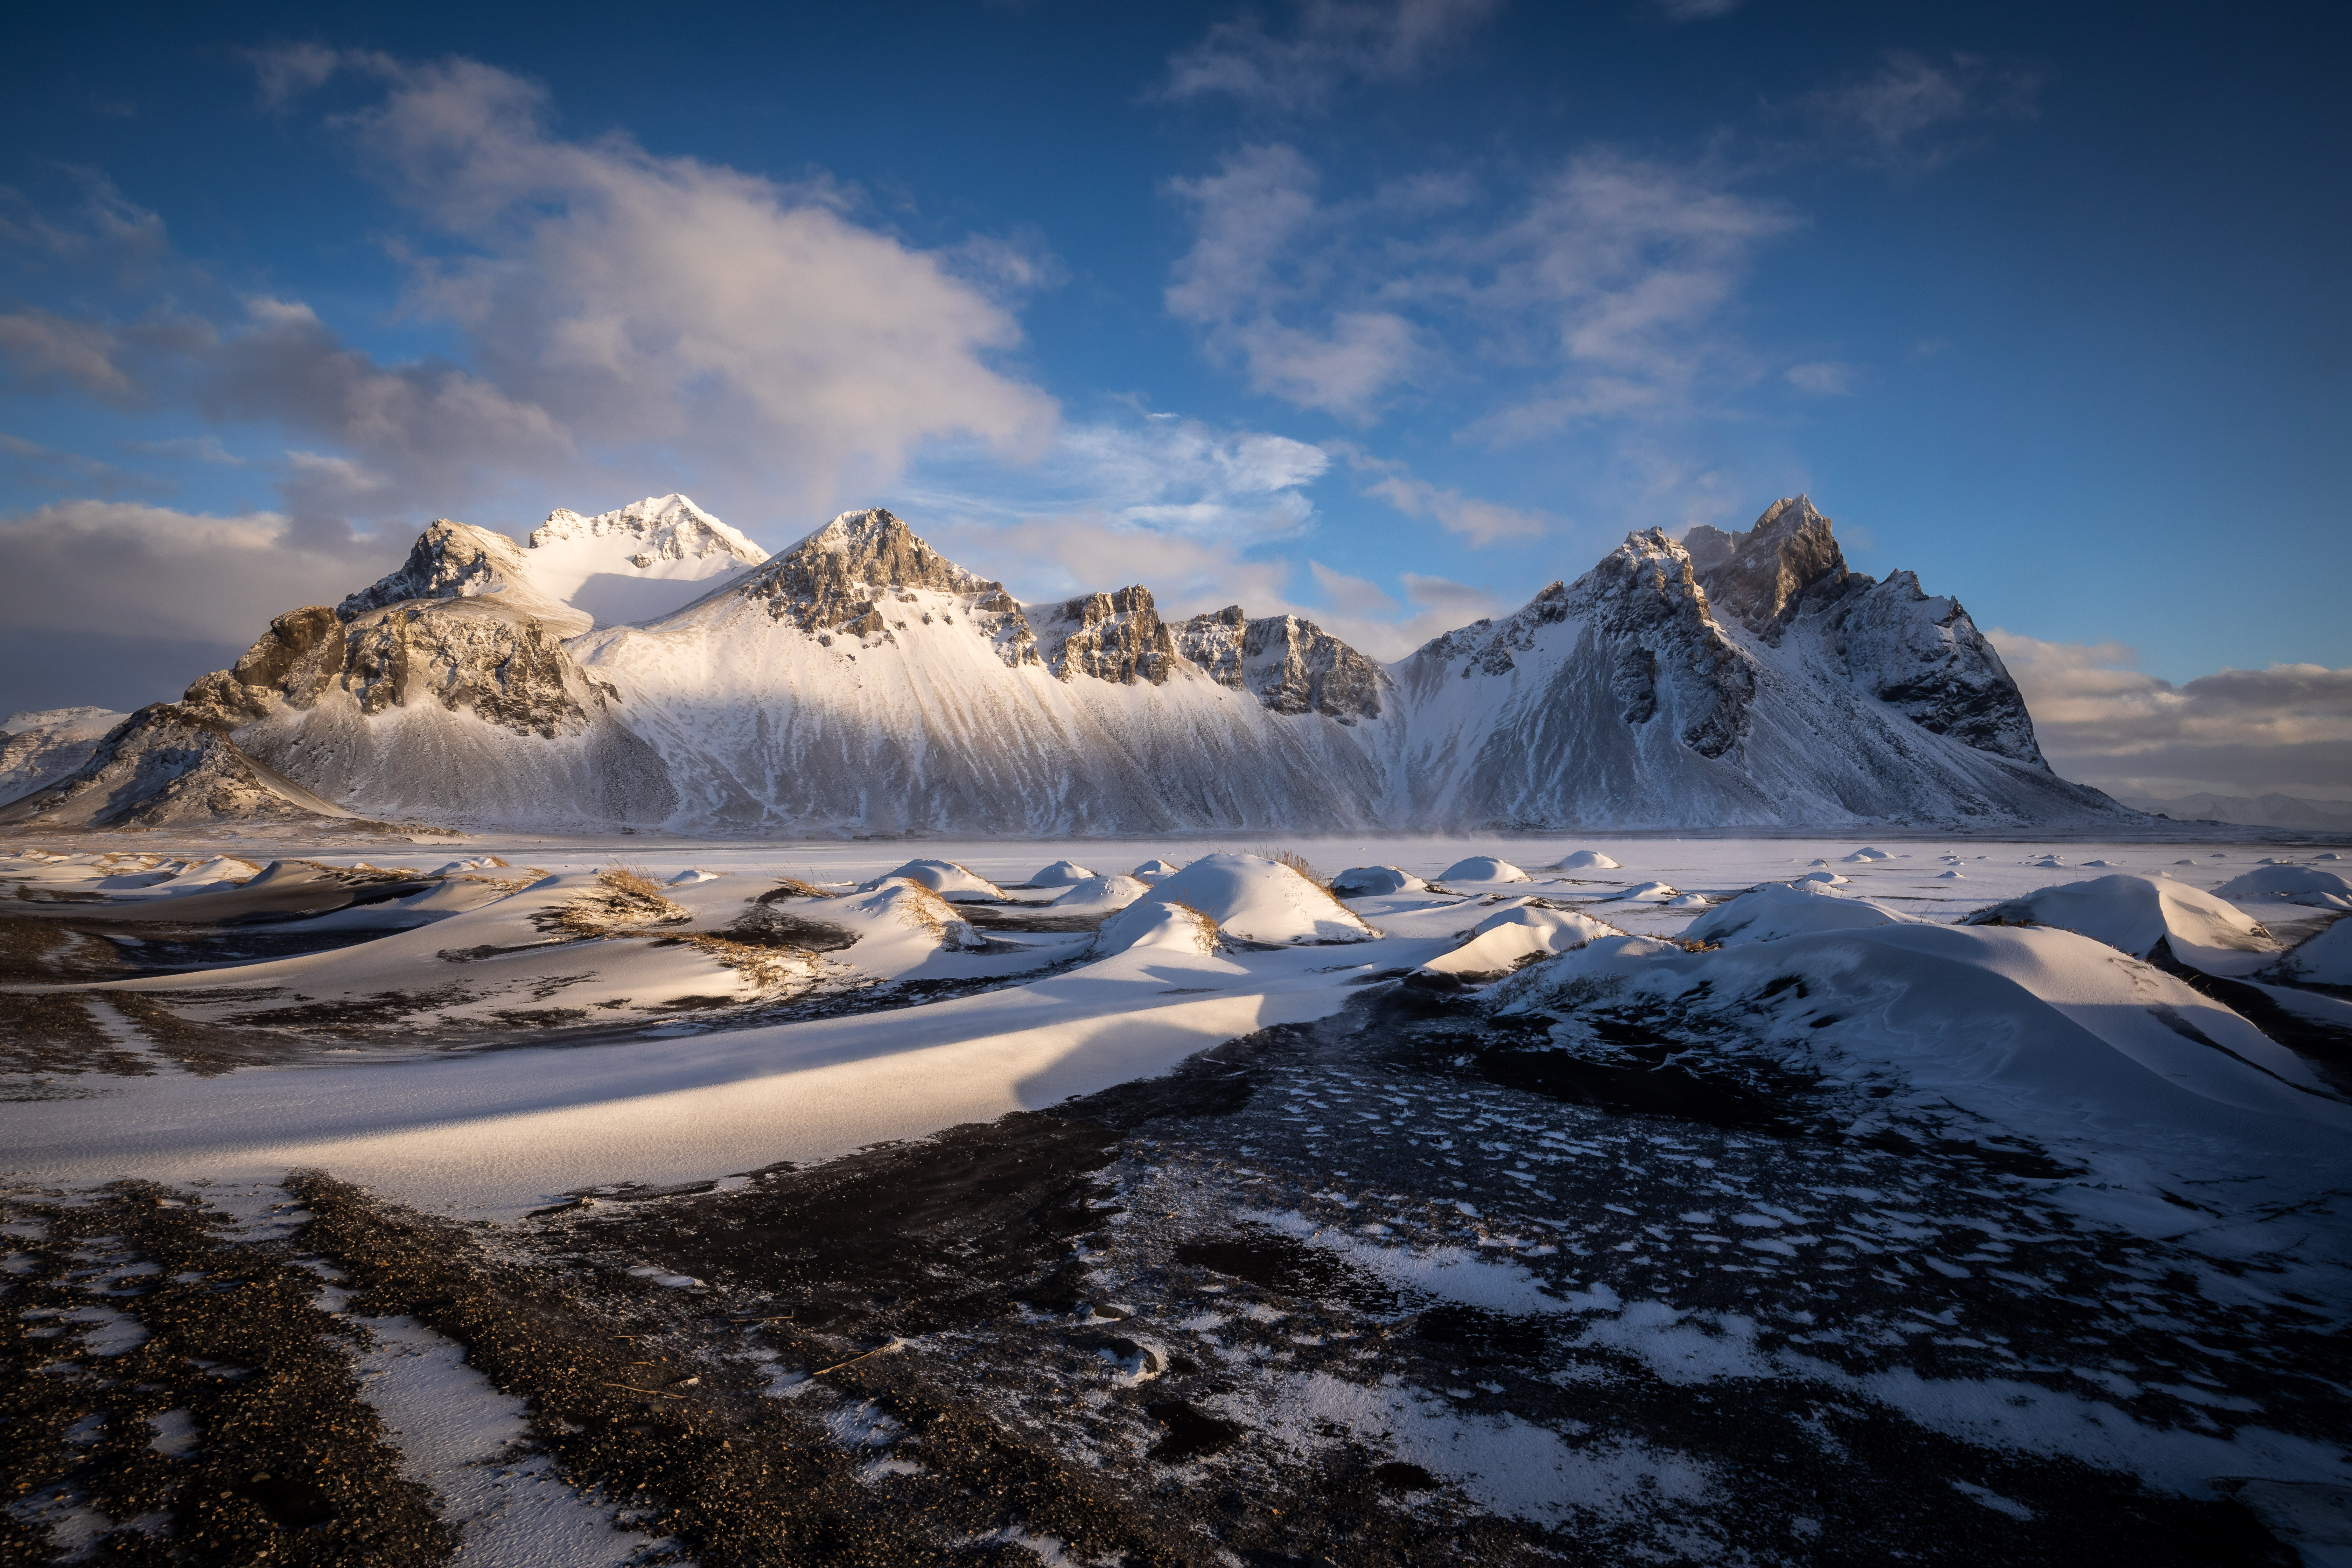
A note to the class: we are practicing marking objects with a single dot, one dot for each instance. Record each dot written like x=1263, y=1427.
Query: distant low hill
x=2252, y=811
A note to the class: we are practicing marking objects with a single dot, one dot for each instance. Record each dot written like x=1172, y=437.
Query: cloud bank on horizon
x=1299, y=339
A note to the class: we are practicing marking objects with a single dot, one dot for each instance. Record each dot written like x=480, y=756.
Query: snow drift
x=2138, y=915
x=1258, y=900
x=2004, y=1036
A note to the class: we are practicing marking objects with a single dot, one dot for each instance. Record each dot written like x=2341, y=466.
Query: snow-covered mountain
x=862, y=681
x=651, y=665
x=38, y=748
x=2272, y=810
x=645, y=559
x=165, y=766
x=1733, y=679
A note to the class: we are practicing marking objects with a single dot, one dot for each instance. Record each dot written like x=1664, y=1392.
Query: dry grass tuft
x=1213, y=935
x=1296, y=862
x=625, y=898
x=930, y=910
x=793, y=887
x=771, y=969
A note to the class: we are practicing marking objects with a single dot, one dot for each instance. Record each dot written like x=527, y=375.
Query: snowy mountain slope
x=461, y=710
x=644, y=560
x=861, y=681
x=1817, y=696
x=41, y=748
x=170, y=766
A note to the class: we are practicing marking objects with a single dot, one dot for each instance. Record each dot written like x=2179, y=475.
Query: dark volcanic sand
x=1385, y=1290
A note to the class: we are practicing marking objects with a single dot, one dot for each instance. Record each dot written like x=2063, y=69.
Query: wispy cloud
x=193, y=449
x=1911, y=114
x=1588, y=296
x=1329, y=44
x=1263, y=248
x=1694, y=10
x=1159, y=473
x=1477, y=522
x=2235, y=731
x=1824, y=378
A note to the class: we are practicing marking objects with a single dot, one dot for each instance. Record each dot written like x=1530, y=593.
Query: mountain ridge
x=861, y=681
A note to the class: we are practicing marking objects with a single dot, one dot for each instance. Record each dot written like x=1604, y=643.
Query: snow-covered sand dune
x=1499, y=1189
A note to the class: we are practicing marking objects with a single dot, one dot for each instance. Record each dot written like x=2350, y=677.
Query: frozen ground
x=749, y=1207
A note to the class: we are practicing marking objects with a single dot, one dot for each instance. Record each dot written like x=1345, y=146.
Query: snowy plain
x=2033, y=1213
x=497, y=1135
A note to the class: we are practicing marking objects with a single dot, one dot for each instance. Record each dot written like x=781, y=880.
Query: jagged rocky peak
x=1766, y=576
x=840, y=577
x=449, y=561
x=1116, y=637
x=665, y=528
x=477, y=655
x=1292, y=665
x=1649, y=626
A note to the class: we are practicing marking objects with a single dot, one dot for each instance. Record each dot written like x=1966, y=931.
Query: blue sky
x=1387, y=311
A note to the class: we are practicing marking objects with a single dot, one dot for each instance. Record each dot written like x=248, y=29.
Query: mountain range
x=2271, y=810
x=653, y=666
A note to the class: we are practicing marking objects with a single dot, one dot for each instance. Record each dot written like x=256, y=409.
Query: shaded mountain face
x=860, y=682
x=41, y=748
x=1920, y=655
x=169, y=766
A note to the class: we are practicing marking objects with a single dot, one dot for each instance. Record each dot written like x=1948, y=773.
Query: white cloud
x=2236, y=732
x=1479, y=521
x=1256, y=220
x=1332, y=43
x=1825, y=378
x=1158, y=472
x=623, y=317
x=151, y=573
x=1592, y=296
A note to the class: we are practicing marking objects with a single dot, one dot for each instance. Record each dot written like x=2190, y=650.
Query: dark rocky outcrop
x=1117, y=637
x=1292, y=665
x=848, y=577
x=1787, y=564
